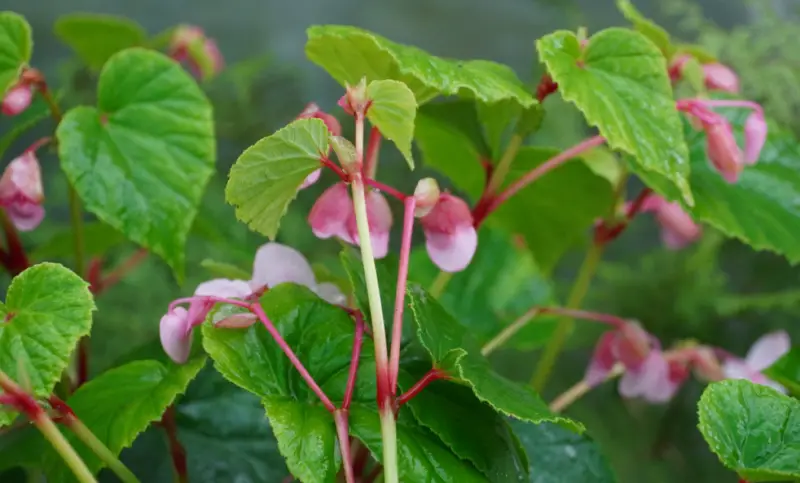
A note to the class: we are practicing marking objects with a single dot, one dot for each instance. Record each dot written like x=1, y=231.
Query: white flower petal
x=222, y=287
x=768, y=349
x=330, y=293
x=175, y=335
x=452, y=252
x=276, y=263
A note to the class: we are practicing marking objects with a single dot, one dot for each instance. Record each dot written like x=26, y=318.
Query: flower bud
x=311, y=179
x=346, y=153
x=175, y=335
x=189, y=44
x=723, y=151
x=17, y=99
x=355, y=101
x=721, y=77
x=312, y=111
x=677, y=227
x=21, y=192
x=426, y=195
x=450, y=237
x=755, y=135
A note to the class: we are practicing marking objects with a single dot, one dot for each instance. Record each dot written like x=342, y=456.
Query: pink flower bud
x=379, y=218
x=426, y=195
x=189, y=44
x=313, y=111
x=311, y=179
x=175, y=334
x=21, y=192
x=676, y=66
x=721, y=77
x=723, y=151
x=677, y=227
x=330, y=213
x=17, y=99
x=755, y=135
x=450, y=237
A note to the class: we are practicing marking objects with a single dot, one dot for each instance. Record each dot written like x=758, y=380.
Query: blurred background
x=717, y=291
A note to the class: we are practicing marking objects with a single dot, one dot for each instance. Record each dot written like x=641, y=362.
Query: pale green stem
x=504, y=166
x=509, y=332
x=62, y=446
x=579, y=390
x=440, y=283
x=566, y=324
x=97, y=446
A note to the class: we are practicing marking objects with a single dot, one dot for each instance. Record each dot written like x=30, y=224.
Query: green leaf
x=557, y=455
x=786, y=371
x=16, y=46
x=500, y=284
x=225, y=270
x=604, y=163
x=392, y=110
x=647, y=27
x=266, y=177
x=555, y=212
x=487, y=441
x=620, y=83
x=118, y=405
x=47, y=310
x=758, y=209
x=140, y=160
x=349, y=53
x=754, y=429
x=96, y=37
x=305, y=438
x=99, y=238
x=420, y=455
x=454, y=351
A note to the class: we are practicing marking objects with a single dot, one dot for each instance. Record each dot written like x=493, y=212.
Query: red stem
x=16, y=261
x=536, y=173
x=259, y=312
x=336, y=169
x=386, y=189
x=342, y=431
x=16, y=397
x=176, y=449
x=410, y=204
x=351, y=378
x=585, y=315
x=430, y=376
x=121, y=270
x=373, y=148
x=605, y=234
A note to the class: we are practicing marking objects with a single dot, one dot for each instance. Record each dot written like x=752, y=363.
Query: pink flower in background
x=677, y=227
x=722, y=149
x=189, y=44
x=450, y=236
x=17, y=99
x=274, y=264
x=21, y=192
x=333, y=215
x=762, y=354
x=721, y=77
x=755, y=135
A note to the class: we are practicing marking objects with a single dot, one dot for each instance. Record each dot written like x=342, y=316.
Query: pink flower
x=677, y=227
x=721, y=77
x=722, y=149
x=17, y=99
x=21, y=192
x=189, y=44
x=274, y=264
x=450, y=237
x=762, y=354
x=647, y=373
x=333, y=215
x=755, y=135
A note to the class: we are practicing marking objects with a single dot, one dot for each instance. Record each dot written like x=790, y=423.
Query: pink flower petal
x=631, y=345
x=330, y=293
x=736, y=369
x=650, y=380
x=25, y=216
x=330, y=214
x=311, y=179
x=222, y=287
x=768, y=349
x=175, y=335
x=275, y=264
x=17, y=99
x=22, y=179
x=379, y=218
x=755, y=135
x=721, y=77
x=723, y=151
x=677, y=227
x=450, y=237
x=602, y=362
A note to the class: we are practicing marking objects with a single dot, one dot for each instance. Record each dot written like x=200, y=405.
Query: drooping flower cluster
x=191, y=45
x=677, y=227
x=21, y=192
x=274, y=264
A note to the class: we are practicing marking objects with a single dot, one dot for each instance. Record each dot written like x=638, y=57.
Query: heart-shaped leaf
x=266, y=177
x=392, y=110
x=350, y=53
x=557, y=455
x=47, y=310
x=16, y=45
x=454, y=351
x=141, y=159
x=118, y=405
x=620, y=83
x=754, y=429
x=96, y=37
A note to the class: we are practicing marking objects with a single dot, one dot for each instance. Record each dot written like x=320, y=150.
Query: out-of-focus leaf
x=16, y=45
x=96, y=37
x=99, y=238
